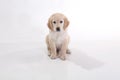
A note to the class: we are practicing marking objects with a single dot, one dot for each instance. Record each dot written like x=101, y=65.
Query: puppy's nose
x=57, y=29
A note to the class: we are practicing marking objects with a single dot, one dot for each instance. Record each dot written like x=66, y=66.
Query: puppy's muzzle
x=57, y=29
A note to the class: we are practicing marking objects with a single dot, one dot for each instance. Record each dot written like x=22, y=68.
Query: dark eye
x=61, y=21
x=54, y=22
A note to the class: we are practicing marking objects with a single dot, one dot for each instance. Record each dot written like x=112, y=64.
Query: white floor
x=95, y=40
x=90, y=60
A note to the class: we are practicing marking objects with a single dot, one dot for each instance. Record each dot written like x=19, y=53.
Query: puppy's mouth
x=58, y=29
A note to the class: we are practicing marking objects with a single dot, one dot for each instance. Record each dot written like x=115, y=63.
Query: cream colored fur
x=57, y=40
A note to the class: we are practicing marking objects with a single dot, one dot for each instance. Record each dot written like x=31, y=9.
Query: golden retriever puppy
x=57, y=40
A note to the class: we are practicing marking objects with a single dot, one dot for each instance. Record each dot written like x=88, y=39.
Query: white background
x=95, y=40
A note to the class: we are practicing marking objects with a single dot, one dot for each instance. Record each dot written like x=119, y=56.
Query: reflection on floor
x=29, y=61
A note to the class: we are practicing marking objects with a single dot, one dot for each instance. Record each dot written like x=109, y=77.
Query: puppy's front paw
x=62, y=57
x=53, y=56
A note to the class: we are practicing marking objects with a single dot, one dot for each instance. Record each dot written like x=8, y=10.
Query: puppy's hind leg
x=49, y=51
x=68, y=51
x=48, y=46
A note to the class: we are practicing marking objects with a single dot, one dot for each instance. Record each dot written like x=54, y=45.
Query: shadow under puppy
x=57, y=40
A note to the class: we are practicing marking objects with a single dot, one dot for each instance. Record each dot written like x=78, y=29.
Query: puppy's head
x=58, y=22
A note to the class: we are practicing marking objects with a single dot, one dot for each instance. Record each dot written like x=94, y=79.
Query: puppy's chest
x=58, y=38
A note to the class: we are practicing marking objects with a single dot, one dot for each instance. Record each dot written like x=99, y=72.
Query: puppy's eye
x=61, y=21
x=54, y=22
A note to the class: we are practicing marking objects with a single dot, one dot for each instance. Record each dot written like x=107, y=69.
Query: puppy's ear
x=66, y=23
x=50, y=24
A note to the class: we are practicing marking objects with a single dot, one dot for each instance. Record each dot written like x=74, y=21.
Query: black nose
x=57, y=29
